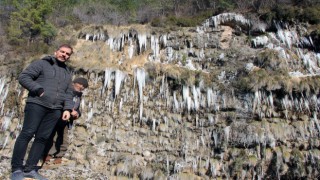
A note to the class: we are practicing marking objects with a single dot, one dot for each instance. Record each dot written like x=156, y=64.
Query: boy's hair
x=82, y=81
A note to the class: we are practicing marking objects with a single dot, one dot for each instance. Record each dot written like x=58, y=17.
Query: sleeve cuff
x=40, y=91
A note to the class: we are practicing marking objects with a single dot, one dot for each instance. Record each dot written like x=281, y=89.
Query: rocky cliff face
x=230, y=99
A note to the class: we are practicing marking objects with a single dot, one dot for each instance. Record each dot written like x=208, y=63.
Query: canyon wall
x=229, y=99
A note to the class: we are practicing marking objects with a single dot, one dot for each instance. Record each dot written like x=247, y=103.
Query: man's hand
x=74, y=114
x=66, y=115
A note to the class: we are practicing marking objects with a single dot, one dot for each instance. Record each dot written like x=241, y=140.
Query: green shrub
x=225, y=5
x=311, y=15
x=186, y=21
x=157, y=22
x=269, y=16
x=268, y=59
x=286, y=13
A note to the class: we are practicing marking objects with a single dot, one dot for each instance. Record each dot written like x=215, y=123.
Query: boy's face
x=78, y=87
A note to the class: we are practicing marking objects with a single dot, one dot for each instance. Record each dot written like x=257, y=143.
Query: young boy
x=79, y=84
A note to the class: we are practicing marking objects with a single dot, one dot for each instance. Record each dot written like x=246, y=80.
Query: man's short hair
x=66, y=46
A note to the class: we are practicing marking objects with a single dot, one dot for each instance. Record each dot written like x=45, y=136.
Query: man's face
x=78, y=87
x=63, y=54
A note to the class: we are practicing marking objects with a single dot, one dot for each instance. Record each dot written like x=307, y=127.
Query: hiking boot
x=34, y=175
x=17, y=175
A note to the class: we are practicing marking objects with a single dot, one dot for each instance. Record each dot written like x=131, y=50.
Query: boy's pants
x=60, y=132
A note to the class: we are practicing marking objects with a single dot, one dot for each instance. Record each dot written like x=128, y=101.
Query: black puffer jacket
x=51, y=77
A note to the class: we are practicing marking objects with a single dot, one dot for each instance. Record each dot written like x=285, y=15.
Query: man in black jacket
x=50, y=97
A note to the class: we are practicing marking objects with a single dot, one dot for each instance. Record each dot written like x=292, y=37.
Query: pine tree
x=28, y=21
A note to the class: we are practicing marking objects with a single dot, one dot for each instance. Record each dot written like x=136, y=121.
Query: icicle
x=142, y=40
x=90, y=115
x=166, y=122
x=256, y=101
x=94, y=37
x=169, y=53
x=189, y=103
x=270, y=102
x=260, y=41
x=2, y=84
x=224, y=100
x=5, y=142
x=155, y=47
x=189, y=65
x=222, y=75
x=209, y=96
x=195, y=98
x=120, y=104
x=6, y=123
x=213, y=170
x=211, y=120
x=110, y=43
x=316, y=121
x=185, y=94
x=83, y=104
x=141, y=111
x=168, y=166
x=194, y=165
x=215, y=138
x=122, y=41
x=197, y=121
x=130, y=49
x=88, y=37
x=162, y=87
x=177, y=167
x=227, y=17
x=119, y=77
x=175, y=101
x=3, y=98
x=153, y=124
x=226, y=133
x=140, y=76
x=163, y=40
x=202, y=141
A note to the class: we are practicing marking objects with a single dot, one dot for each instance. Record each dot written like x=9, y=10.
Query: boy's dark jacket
x=51, y=77
x=76, y=101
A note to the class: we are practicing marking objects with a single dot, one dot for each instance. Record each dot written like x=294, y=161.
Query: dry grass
x=88, y=55
x=98, y=55
x=115, y=31
x=226, y=37
x=136, y=61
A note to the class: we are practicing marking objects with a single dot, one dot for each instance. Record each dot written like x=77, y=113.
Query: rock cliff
x=229, y=99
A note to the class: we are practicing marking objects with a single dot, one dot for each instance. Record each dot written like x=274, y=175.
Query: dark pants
x=39, y=122
x=59, y=130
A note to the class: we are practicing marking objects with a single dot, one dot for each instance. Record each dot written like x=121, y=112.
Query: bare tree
x=244, y=5
x=99, y=14
x=261, y=5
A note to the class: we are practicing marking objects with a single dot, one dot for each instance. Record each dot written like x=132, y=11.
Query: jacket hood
x=50, y=59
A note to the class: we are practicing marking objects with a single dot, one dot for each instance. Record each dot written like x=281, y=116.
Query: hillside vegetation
x=32, y=25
